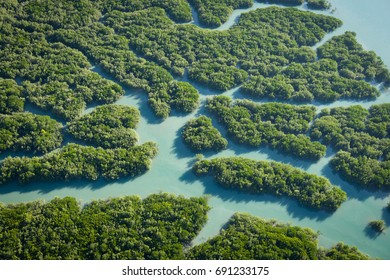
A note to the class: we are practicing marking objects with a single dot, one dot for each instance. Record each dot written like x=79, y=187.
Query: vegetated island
x=250, y=238
x=379, y=225
x=75, y=161
x=160, y=226
x=280, y=126
x=107, y=126
x=200, y=135
x=361, y=138
x=267, y=177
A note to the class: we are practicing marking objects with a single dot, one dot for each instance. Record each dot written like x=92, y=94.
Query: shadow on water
x=292, y=206
x=386, y=215
x=371, y=233
x=353, y=191
x=77, y=183
x=29, y=107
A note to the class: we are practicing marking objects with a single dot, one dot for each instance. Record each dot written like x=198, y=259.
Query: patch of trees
x=30, y=133
x=11, y=97
x=379, y=226
x=263, y=177
x=265, y=38
x=281, y=126
x=341, y=252
x=178, y=10
x=74, y=161
x=157, y=227
x=318, y=80
x=312, y=4
x=200, y=134
x=215, y=13
x=362, y=170
x=250, y=238
x=341, y=72
x=180, y=96
x=362, y=139
x=318, y=4
x=112, y=52
x=56, y=77
x=353, y=61
x=108, y=126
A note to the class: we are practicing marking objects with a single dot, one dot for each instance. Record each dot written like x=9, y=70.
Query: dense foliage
x=250, y=238
x=157, y=227
x=264, y=39
x=30, y=133
x=214, y=13
x=281, y=126
x=337, y=74
x=11, y=97
x=318, y=4
x=362, y=138
x=75, y=161
x=199, y=134
x=353, y=61
x=378, y=226
x=108, y=126
x=56, y=77
x=341, y=252
x=273, y=178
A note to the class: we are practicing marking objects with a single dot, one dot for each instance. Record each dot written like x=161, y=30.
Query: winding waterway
x=171, y=168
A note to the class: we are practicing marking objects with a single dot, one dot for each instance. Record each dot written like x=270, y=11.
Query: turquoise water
x=171, y=168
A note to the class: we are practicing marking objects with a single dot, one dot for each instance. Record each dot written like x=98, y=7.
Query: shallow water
x=171, y=168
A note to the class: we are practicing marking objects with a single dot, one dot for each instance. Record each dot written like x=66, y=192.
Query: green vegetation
x=264, y=177
x=181, y=96
x=199, y=134
x=318, y=4
x=362, y=138
x=75, y=161
x=313, y=81
x=353, y=61
x=11, y=98
x=251, y=238
x=214, y=13
x=281, y=126
x=56, y=77
x=325, y=80
x=157, y=227
x=262, y=39
x=378, y=226
x=108, y=126
x=283, y=2
x=30, y=133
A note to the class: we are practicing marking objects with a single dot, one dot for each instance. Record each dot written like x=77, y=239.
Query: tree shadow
x=386, y=215
x=44, y=187
x=371, y=233
x=32, y=108
x=294, y=209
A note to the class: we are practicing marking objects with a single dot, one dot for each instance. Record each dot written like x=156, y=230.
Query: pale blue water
x=171, y=168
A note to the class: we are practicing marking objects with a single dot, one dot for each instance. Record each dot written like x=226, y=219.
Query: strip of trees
x=264, y=177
